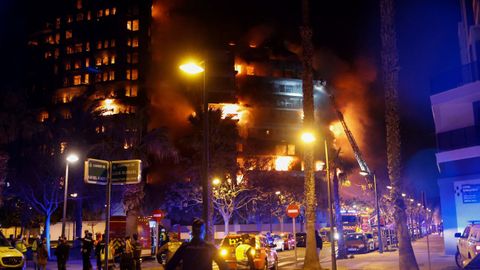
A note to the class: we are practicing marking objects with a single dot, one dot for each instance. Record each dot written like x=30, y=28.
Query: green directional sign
x=126, y=172
x=96, y=171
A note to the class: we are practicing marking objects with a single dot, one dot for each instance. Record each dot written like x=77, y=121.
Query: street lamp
x=216, y=181
x=194, y=68
x=72, y=158
x=377, y=207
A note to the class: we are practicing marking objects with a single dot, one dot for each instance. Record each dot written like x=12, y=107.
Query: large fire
x=284, y=163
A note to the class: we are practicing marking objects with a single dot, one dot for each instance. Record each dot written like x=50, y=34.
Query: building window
x=105, y=60
x=87, y=62
x=69, y=50
x=99, y=44
x=107, y=12
x=89, y=15
x=100, y=129
x=87, y=47
x=65, y=83
x=98, y=77
x=63, y=147
x=112, y=43
x=78, y=48
x=291, y=149
x=133, y=25
x=112, y=59
x=100, y=13
x=68, y=66
x=250, y=70
x=98, y=61
x=132, y=42
x=114, y=10
x=86, y=78
x=78, y=64
x=68, y=34
x=105, y=44
x=131, y=91
x=57, y=38
x=58, y=23
x=69, y=18
x=79, y=17
x=111, y=75
x=476, y=112
x=105, y=76
x=79, y=4
x=77, y=80
x=43, y=116
x=55, y=69
x=57, y=53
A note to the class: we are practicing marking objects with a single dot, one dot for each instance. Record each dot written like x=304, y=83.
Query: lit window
x=112, y=59
x=86, y=78
x=100, y=13
x=89, y=15
x=47, y=55
x=98, y=61
x=129, y=58
x=69, y=50
x=105, y=60
x=105, y=44
x=57, y=38
x=129, y=74
x=112, y=43
x=69, y=19
x=57, y=23
x=129, y=42
x=105, y=76
x=111, y=75
x=87, y=47
x=135, y=58
x=77, y=79
x=99, y=44
x=107, y=12
x=68, y=66
x=250, y=70
x=77, y=64
x=291, y=149
x=134, y=74
x=68, y=34
x=63, y=146
x=98, y=77
x=135, y=42
x=135, y=25
x=87, y=62
x=78, y=47
x=57, y=53
x=79, y=17
x=129, y=25
x=131, y=91
x=100, y=129
x=43, y=116
x=114, y=10
x=66, y=114
x=79, y=4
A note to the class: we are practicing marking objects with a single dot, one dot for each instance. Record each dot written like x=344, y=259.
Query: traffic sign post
x=104, y=172
x=293, y=210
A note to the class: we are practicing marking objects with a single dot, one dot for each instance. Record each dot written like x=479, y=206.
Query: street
x=369, y=261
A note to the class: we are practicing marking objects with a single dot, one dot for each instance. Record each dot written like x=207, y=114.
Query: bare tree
x=390, y=81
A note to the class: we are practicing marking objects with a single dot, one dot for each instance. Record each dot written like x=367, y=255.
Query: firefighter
x=137, y=252
x=86, y=250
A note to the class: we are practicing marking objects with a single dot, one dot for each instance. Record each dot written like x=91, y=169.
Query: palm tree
x=311, y=255
x=390, y=80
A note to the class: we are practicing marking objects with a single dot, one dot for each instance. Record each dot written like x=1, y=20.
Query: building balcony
x=459, y=138
x=455, y=77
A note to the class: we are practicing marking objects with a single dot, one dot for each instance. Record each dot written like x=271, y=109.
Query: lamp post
x=72, y=158
x=377, y=209
x=207, y=202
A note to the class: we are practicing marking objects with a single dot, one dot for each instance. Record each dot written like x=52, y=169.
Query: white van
x=468, y=246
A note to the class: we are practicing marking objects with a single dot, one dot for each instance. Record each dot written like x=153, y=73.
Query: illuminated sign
x=471, y=193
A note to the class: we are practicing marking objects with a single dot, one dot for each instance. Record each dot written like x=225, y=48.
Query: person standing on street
x=243, y=253
x=137, y=252
x=197, y=254
x=319, y=242
x=86, y=250
x=126, y=261
x=99, y=246
x=21, y=246
x=42, y=254
x=35, y=244
x=62, y=252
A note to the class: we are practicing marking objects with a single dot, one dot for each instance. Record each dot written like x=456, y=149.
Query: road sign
x=158, y=214
x=293, y=210
x=126, y=172
x=96, y=171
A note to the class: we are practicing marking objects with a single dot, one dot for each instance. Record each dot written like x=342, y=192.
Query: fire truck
x=355, y=222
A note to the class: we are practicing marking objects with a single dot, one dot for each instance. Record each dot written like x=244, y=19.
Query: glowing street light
x=389, y=187
x=192, y=68
x=404, y=195
x=72, y=158
x=74, y=195
x=216, y=181
x=277, y=192
x=308, y=137
x=207, y=201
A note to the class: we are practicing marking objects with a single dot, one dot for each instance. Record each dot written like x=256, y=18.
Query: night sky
x=427, y=41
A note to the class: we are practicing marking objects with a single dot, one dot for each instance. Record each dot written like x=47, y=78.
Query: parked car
x=264, y=255
x=301, y=239
x=10, y=258
x=283, y=241
x=468, y=246
x=359, y=242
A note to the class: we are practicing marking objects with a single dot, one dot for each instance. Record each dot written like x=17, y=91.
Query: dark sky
x=427, y=41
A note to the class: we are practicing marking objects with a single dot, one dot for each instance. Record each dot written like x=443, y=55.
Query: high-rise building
x=96, y=53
